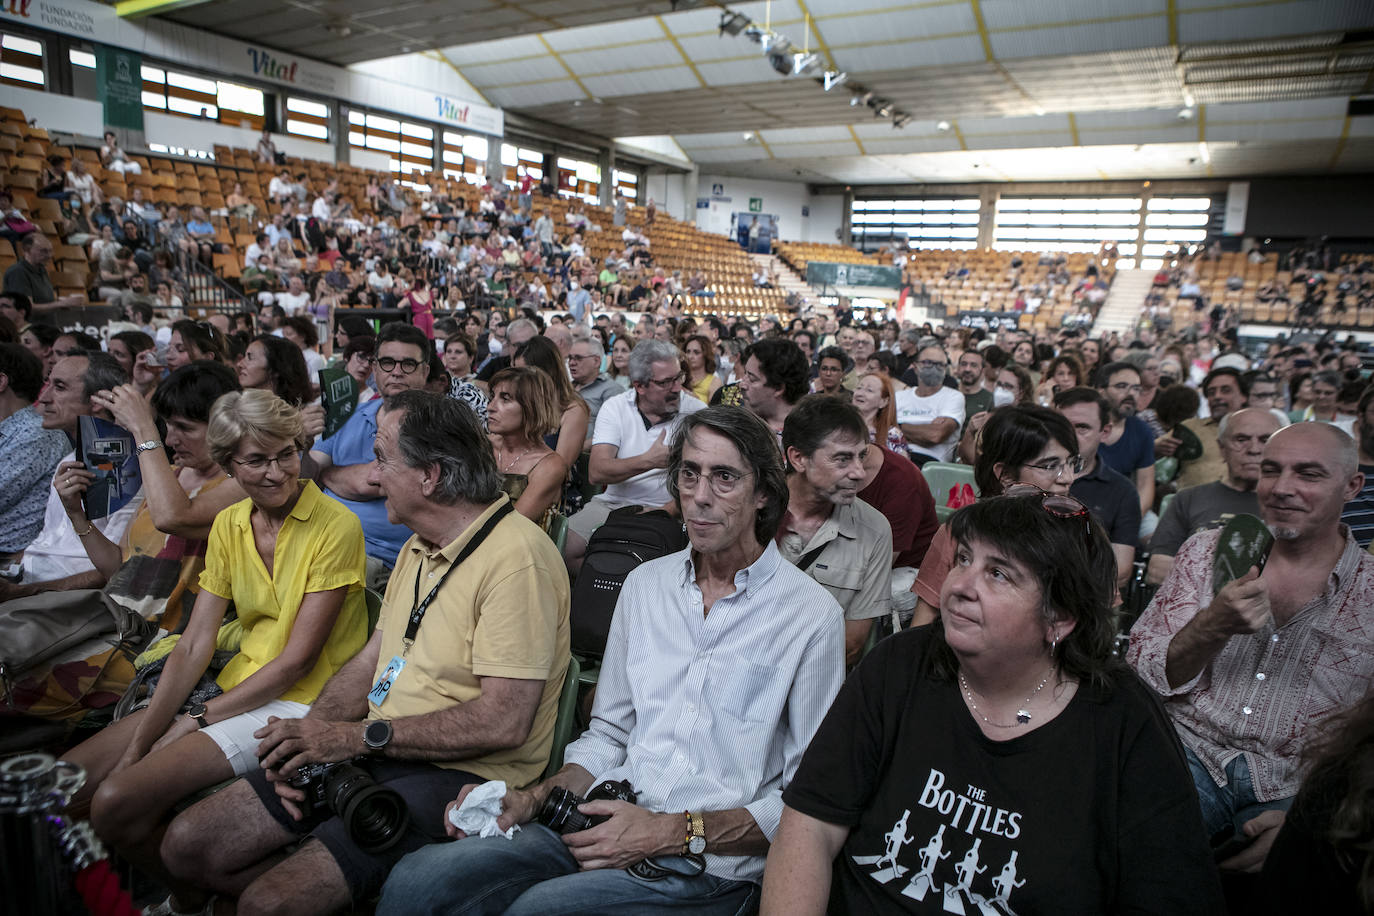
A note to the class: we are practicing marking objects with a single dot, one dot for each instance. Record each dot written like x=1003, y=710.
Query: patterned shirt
x=28, y=456
x=1264, y=691
x=713, y=711
x=462, y=389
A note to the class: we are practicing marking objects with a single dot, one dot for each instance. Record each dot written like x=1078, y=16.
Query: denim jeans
x=1232, y=804
x=535, y=874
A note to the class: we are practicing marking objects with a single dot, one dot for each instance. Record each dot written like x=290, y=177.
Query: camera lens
x=375, y=817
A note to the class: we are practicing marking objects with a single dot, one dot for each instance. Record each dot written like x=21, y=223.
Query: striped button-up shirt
x=709, y=712
x=1264, y=691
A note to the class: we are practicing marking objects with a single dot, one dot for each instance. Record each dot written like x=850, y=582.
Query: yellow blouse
x=319, y=548
x=702, y=390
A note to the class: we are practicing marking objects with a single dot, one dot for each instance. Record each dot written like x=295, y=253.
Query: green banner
x=756, y=205
x=119, y=74
x=832, y=274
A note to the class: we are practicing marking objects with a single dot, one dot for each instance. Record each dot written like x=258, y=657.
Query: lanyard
x=418, y=615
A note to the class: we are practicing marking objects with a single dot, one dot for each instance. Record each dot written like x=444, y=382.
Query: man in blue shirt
x=344, y=461
x=1129, y=447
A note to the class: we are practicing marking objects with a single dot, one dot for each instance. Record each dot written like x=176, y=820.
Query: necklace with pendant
x=1023, y=715
x=516, y=460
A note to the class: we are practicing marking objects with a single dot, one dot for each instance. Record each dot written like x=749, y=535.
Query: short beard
x=1284, y=534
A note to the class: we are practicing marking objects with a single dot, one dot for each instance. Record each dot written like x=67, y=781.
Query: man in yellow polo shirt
x=458, y=684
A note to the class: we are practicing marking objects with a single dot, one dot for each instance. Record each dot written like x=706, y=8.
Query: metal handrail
x=223, y=298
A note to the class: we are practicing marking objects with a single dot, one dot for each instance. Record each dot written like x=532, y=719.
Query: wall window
x=1072, y=224
x=21, y=61
x=465, y=156
x=411, y=146
x=580, y=179
x=921, y=223
x=1170, y=222
x=627, y=183
x=307, y=118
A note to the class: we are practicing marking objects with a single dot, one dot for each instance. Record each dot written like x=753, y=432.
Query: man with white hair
x=1248, y=672
x=584, y=367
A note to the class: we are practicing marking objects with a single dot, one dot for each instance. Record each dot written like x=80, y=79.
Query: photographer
x=714, y=725
x=458, y=684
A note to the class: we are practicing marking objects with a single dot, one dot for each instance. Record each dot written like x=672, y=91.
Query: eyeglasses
x=929, y=364
x=574, y=356
x=723, y=482
x=286, y=459
x=668, y=384
x=1058, y=466
x=386, y=364
x=1126, y=386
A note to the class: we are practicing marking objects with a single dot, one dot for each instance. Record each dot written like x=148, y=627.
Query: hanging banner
x=119, y=75
x=1237, y=207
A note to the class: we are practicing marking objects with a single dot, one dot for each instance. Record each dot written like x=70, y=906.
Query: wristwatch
x=377, y=735
x=197, y=712
x=148, y=445
x=696, y=833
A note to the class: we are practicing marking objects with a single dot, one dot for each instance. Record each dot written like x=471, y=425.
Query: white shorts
x=235, y=735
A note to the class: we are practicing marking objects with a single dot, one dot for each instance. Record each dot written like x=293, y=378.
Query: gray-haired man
x=634, y=432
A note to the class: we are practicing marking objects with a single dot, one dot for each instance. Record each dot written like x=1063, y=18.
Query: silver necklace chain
x=1023, y=715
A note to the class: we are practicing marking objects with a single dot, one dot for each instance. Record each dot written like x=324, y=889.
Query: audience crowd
x=1019, y=697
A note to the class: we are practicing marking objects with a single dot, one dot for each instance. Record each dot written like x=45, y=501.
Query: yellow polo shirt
x=319, y=548
x=503, y=613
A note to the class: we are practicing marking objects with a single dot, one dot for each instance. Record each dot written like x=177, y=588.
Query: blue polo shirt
x=352, y=444
x=1134, y=450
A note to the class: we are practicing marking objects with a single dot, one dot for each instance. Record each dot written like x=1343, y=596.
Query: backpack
x=629, y=538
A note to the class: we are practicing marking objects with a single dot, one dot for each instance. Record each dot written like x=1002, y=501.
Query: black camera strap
x=417, y=616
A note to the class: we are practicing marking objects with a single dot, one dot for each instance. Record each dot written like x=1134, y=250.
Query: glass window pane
x=23, y=74
x=152, y=74
x=307, y=107
x=22, y=45
x=415, y=149
x=192, y=107
x=419, y=131
x=193, y=83
x=154, y=99
x=307, y=129
x=390, y=125
x=475, y=148
x=385, y=144
x=357, y=138
x=357, y=117
x=82, y=58
x=239, y=98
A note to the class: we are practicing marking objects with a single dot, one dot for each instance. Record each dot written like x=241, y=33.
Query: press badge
x=377, y=696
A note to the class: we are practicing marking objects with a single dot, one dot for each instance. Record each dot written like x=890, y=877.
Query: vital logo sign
x=265, y=64
x=449, y=111
x=15, y=8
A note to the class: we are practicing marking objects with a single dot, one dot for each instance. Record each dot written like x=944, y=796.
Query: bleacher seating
x=797, y=255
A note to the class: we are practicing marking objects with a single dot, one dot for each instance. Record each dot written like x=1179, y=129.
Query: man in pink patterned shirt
x=1246, y=674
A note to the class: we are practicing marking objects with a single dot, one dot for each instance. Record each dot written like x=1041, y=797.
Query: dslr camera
x=375, y=816
x=559, y=812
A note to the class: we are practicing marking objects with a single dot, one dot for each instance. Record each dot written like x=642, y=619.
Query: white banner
x=170, y=41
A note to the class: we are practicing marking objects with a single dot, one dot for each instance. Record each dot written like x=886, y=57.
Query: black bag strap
x=810, y=557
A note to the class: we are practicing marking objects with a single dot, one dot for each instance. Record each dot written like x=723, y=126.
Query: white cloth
x=57, y=552
x=947, y=402
x=314, y=362
x=477, y=815
x=713, y=711
x=619, y=423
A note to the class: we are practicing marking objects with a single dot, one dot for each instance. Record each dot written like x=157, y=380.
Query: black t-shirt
x=1093, y=812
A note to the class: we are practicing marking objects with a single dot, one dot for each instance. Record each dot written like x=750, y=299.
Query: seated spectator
x=522, y=410
x=629, y=458
x=930, y=414
x=195, y=340
x=56, y=559
x=275, y=364
x=1022, y=444
x=1303, y=622
x=29, y=275
x=17, y=308
x=113, y=158
x=463, y=691
x=1359, y=511
x=1113, y=501
x=873, y=398
x=300, y=330
x=1242, y=436
x=1225, y=392
x=732, y=734
x=29, y=454
x=260, y=276
x=82, y=184
x=1022, y=658
x=618, y=363
x=540, y=353
x=1129, y=447
x=154, y=568
x=833, y=365
x=827, y=532
x=700, y=358
x=345, y=461
x=126, y=346
x=301, y=623
x=773, y=377
x=584, y=367
x=1064, y=372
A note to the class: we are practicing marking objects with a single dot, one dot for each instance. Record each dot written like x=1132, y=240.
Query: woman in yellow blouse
x=291, y=561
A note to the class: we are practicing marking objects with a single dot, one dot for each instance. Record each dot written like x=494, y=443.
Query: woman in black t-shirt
x=1000, y=760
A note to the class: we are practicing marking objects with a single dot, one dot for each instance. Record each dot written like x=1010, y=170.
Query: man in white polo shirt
x=634, y=432
x=930, y=414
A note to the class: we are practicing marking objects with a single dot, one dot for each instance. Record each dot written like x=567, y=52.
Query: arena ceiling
x=996, y=90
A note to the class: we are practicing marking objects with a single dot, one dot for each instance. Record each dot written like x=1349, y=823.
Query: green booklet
x=1244, y=542
x=339, y=396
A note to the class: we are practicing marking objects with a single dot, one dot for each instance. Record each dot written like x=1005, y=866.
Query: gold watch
x=696, y=835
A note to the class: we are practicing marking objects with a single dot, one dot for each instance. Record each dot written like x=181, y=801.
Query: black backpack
x=630, y=538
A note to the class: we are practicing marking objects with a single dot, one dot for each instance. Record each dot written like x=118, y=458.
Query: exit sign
x=756, y=205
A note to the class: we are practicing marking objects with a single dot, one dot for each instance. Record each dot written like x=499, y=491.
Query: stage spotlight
x=733, y=23
x=901, y=120
x=860, y=98
x=942, y=126
x=833, y=79
x=773, y=43
x=755, y=34
x=803, y=64
x=882, y=108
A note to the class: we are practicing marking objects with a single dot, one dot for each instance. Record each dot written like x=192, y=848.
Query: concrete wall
x=189, y=133
x=786, y=200
x=57, y=112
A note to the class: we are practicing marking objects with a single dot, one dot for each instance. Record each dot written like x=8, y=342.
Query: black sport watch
x=377, y=735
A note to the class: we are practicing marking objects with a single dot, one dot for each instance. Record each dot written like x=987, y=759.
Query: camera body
x=376, y=817
x=559, y=812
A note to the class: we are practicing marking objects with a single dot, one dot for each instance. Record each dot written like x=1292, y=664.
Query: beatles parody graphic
x=950, y=871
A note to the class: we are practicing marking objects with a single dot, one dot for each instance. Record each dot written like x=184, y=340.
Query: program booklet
x=339, y=395
x=108, y=452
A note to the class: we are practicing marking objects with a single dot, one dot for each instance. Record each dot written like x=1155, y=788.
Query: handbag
x=42, y=629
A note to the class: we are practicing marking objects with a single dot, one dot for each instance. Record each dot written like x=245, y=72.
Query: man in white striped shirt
x=721, y=662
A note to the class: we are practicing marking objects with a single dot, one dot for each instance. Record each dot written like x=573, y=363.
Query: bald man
x=1247, y=674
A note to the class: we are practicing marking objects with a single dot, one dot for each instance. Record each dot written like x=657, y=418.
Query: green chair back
x=558, y=530
x=1164, y=503
x=374, y=608
x=941, y=477
x=567, y=717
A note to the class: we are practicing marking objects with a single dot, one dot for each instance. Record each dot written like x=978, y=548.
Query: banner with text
x=833, y=274
x=120, y=78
